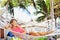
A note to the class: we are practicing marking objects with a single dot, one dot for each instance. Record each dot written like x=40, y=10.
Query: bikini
x=17, y=29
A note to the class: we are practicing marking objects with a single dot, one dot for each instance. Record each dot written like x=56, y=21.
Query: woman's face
x=14, y=23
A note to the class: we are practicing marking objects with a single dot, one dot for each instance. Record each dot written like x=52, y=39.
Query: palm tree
x=34, y=4
x=56, y=10
x=44, y=8
x=15, y=3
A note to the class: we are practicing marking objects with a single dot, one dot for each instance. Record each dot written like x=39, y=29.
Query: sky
x=23, y=15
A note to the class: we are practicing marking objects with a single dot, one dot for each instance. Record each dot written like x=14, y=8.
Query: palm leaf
x=42, y=5
x=39, y=19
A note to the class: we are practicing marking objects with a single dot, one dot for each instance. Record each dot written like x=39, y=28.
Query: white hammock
x=26, y=36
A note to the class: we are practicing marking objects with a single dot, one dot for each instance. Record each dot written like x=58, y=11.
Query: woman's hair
x=13, y=20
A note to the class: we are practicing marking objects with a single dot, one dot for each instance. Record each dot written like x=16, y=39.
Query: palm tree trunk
x=52, y=15
x=51, y=9
x=34, y=4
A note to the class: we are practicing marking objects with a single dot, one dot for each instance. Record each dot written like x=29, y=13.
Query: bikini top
x=17, y=29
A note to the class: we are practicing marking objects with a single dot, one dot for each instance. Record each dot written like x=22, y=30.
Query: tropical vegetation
x=41, y=6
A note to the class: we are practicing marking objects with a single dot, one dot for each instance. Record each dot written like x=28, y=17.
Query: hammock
x=29, y=37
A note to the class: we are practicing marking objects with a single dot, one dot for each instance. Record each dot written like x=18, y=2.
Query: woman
x=14, y=27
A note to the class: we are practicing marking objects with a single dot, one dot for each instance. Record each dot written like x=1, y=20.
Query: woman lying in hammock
x=14, y=27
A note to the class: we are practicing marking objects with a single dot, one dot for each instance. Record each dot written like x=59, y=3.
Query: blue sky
x=23, y=15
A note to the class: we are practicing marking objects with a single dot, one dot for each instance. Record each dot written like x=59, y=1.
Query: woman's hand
x=6, y=27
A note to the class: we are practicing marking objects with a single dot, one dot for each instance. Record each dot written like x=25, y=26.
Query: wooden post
x=1, y=33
